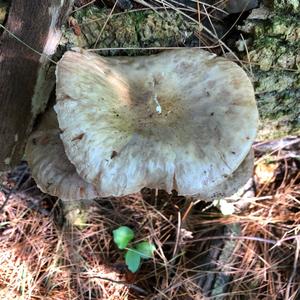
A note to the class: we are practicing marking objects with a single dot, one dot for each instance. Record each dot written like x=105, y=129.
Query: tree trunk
x=24, y=83
x=274, y=55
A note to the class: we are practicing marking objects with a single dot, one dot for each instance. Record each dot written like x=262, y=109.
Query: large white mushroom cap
x=182, y=120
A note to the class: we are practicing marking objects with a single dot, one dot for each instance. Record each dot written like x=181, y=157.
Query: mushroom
x=51, y=169
x=182, y=120
x=55, y=175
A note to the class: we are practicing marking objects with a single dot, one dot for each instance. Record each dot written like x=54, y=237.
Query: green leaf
x=122, y=236
x=133, y=260
x=145, y=249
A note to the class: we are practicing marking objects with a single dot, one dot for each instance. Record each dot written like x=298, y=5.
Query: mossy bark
x=96, y=28
x=275, y=58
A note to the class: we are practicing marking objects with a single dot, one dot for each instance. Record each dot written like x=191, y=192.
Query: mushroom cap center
x=155, y=109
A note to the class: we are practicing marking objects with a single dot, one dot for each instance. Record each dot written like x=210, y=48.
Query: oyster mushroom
x=50, y=167
x=182, y=120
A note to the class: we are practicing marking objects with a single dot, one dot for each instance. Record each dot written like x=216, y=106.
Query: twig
x=275, y=145
x=81, y=7
x=178, y=233
x=295, y=267
x=150, y=48
x=250, y=238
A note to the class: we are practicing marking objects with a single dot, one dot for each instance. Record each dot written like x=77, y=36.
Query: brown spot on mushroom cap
x=78, y=137
x=164, y=128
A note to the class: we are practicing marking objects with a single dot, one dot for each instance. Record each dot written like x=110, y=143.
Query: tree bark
x=23, y=71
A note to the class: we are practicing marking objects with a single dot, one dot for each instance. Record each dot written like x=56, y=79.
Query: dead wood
x=24, y=72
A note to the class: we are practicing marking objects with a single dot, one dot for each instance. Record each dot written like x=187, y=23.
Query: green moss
x=128, y=30
x=283, y=27
x=290, y=6
x=276, y=69
x=140, y=17
x=278, y=94
x=276, y=42
x=271, y=52
x=163, y=30
x=118, y=31
x=275, y=81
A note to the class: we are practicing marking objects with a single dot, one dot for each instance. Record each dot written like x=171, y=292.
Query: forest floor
x=246, y=247
x=250, y=253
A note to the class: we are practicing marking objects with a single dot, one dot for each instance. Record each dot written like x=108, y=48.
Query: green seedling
x=133, y=260
x=133, y=256
x=145, y=249
x=122, y=236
